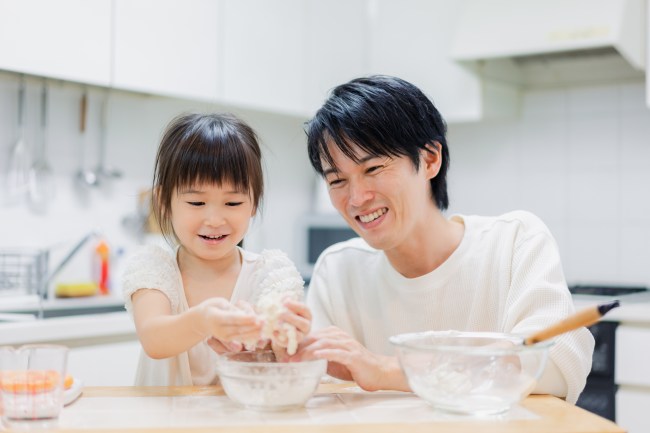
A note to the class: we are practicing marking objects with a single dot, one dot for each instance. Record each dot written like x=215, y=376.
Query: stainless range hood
x=546, y=42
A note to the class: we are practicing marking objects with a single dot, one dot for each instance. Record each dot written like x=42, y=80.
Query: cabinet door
x=632, y=355
x=263, y=51
x=412, y=39
x=337, y=47
x=105, y=364
x=66, y=39
x=167, y=47
x=631, y=409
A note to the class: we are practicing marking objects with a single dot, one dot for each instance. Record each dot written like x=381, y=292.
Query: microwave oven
x=316, y=232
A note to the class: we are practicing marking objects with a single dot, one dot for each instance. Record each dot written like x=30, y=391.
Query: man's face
x=383, y=199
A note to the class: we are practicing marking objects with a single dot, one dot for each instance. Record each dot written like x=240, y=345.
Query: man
x=380, y=145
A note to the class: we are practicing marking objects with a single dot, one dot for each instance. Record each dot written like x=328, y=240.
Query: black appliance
x=599, y=395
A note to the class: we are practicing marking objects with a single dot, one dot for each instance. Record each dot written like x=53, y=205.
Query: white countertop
x=67, y=328
x=634, y=308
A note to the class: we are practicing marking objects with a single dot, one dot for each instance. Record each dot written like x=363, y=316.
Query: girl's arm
x=163, y=334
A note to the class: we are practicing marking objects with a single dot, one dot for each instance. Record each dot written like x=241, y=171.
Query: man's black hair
x=383, y=116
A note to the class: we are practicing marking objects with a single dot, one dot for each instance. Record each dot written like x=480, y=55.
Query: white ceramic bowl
x=470, y=372
x=257, y=381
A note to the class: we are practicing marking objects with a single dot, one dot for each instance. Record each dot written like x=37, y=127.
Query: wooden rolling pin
x=585, y=317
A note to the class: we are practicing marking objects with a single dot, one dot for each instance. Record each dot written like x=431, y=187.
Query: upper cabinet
x=262, y=52
x=336, y=47
x=167, y=47
x=66, y=39
x=412, y=39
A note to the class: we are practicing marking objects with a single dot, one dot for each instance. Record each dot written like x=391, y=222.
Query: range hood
x=552, y=41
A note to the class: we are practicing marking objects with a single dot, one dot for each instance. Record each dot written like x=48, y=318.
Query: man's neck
x=433, y=245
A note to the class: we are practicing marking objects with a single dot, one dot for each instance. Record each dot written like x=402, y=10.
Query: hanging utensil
x=84, y=179
x=104, y=172
x=17, y=176
x=41, y=182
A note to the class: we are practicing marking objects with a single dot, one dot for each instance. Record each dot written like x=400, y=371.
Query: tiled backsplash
x=578, y=157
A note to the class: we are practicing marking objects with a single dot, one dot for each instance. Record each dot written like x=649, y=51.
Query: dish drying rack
x=23, y=272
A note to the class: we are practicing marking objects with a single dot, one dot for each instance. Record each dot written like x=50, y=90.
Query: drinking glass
x=31, y=385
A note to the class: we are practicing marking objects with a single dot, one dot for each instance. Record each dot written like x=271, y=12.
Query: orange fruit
x=30, y=381
x=68, y=381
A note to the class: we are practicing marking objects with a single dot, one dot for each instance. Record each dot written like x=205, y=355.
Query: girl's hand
x=298, y=317
x=224, y=347
x=226, y=322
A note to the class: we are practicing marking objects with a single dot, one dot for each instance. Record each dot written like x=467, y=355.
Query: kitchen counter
x=634, y=308
x=68, y=329
x=340, y=408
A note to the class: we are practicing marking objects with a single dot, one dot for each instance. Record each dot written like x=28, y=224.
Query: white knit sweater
x=505, y=276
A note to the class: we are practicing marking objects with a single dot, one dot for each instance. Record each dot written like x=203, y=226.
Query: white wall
x=136, y=123
x=578, y=157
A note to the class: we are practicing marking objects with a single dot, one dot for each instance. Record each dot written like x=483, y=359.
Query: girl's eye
x=335, y=182
x=195, y=203
x=374, y=168
x=234, y=203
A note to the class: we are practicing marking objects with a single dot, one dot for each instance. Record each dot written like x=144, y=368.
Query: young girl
x=188, y=306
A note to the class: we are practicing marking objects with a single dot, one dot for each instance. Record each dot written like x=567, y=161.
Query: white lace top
x=152, y=267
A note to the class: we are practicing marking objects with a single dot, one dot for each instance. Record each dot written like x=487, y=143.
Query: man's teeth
x=372, y=216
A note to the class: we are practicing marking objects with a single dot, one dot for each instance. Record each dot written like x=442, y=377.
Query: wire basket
x=23, y=272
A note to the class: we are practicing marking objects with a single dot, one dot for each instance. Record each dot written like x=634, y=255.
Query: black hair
x=383, y=116
x=205, y=148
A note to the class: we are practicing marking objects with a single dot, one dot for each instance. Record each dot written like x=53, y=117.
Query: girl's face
x=210, y=220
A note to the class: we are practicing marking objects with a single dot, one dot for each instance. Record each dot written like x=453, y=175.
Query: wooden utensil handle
x=585, y=317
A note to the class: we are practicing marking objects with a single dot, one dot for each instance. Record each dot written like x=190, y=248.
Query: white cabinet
x=633, y=377
x=285, y=55
x=647, y=54
x=66, y=39
x=631, y=410
x=105, y=364
x=167, y=47
x=412, y=39
x=262, y=54
x=336, y=47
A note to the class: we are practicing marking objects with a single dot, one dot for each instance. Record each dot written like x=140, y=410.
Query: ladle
x=83, y=177
x=17, y=176
x=104, y=172
x=41, y=183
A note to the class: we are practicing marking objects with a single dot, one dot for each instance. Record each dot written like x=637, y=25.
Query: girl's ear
x=432, y=158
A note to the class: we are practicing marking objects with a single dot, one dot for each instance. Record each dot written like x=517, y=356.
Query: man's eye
x=335, y=182
x=234, y=203
x=374, y=168
x=195, y=203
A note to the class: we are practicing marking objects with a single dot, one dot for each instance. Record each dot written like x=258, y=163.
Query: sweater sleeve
x=539, y=297
x=151, y=267
x=318, y=298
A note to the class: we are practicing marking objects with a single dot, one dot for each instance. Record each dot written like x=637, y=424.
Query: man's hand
x=349, y=360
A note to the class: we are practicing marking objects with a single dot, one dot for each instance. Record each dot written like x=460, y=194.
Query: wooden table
x=536, y=414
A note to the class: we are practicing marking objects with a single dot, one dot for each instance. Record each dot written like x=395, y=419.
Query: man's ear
x=432, y=159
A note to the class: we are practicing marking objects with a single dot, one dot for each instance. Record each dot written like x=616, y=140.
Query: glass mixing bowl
x=470, y=372
x=257, y=381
